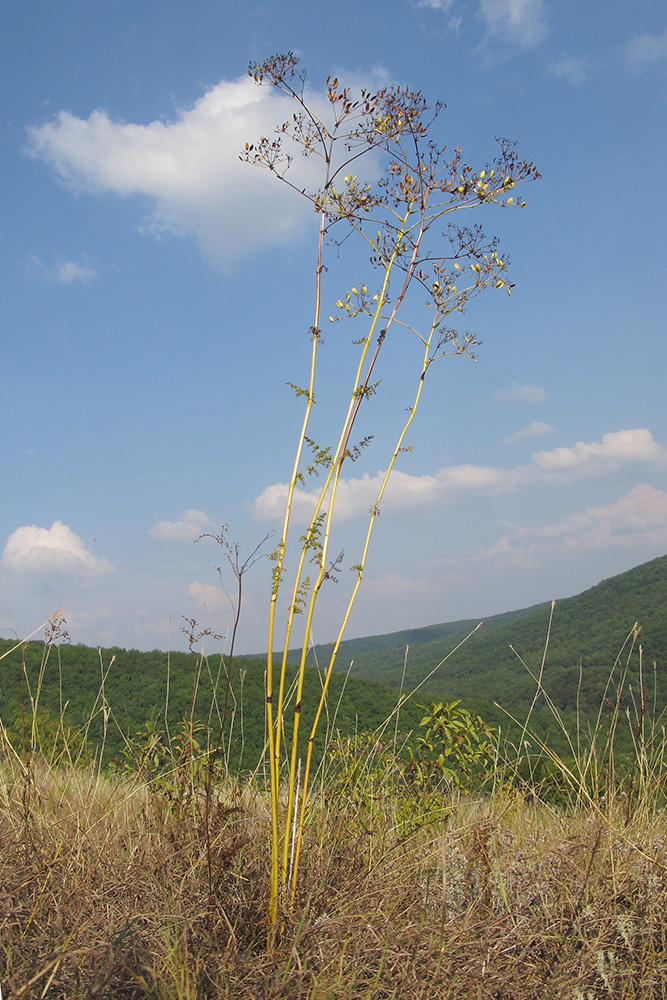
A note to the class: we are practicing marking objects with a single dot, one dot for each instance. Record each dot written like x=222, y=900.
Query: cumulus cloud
x=31, y=549
x=515, y=22
x=532, y=430
x=520, y=394
x=637, y=520
x=564, y=465
x=192, y=524
x=585, y=460
x=356, y=496
x=189, y=167
x=645, y=49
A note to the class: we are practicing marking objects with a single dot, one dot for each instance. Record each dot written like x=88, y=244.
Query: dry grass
x=105, y=892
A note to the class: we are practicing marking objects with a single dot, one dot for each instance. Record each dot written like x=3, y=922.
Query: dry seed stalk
x=418, y=190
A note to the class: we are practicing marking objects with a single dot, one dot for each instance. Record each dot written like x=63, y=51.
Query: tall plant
x=400, y=219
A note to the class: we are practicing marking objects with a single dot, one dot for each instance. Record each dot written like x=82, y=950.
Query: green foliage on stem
x=457, y=745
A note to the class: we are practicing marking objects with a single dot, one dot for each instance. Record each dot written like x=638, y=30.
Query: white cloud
x=443, y=5
x=637, y=520
x=190, y=168
x=392, y=585
x=564, y=465
x=193, y=524
x=585, y=460
x=70, y=272
x=355, y=496
x=532, y=430
x=520, y=394
x=644, y=49
x=67, y=272
x=95, y=621
x=30, y=549
x=517, y=22
x=454, y=21
x=211, y=597
x=571, y=68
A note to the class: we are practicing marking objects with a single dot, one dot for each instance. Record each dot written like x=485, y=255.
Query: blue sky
x=157, y=293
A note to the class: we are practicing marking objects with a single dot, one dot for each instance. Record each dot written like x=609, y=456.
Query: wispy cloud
x=190, y=167
x=520, y=394
x=574, y=69
x=561, y=465
x=192, y=524
x=391, y=585
x=31, y=549
x=211, y=597
x=71, y=272
x=454, y=20
x=517, y=23
x=642, y=50
x=535, y=429
x=514, y=22
x=636, y=520
x=66, y=272
x=443, y=5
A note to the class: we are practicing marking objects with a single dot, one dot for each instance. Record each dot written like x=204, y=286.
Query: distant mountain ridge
x=588, y=630
x=497, y=666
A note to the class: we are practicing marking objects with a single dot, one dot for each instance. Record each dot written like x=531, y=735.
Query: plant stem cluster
x=404, y=222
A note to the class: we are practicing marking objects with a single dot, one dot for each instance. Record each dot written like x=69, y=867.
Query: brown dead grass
x=104, y=892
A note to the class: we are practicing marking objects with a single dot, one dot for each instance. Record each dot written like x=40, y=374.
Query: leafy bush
x=457, y=746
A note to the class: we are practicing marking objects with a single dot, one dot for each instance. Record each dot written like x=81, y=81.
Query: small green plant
x=179, y=770
x=457, y=746
x=405, y=222
x=55, y=738
x=364, y=765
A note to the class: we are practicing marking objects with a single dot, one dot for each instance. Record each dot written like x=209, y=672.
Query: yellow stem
x=274, y=735
x=332, y=479
x=351, y=602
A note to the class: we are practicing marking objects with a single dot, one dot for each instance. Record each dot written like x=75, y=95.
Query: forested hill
x=496, y=665
x=588, y=630
x=113, y=693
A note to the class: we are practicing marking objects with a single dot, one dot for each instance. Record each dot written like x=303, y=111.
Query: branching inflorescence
x=404, y=221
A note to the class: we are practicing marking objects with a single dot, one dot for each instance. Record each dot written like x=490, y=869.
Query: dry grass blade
x=104, y=893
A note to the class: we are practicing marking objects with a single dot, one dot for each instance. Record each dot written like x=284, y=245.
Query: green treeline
x=593, y=654
x=113, y=693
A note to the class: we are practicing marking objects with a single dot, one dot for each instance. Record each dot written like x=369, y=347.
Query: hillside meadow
x=442, y=856
x=125, y=887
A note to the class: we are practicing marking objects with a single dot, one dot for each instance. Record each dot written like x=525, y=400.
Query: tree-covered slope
x=587, y=631
x=497, y=665
x=119, y=690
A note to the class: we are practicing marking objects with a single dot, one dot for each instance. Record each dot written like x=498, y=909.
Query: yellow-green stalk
x=419, y=188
